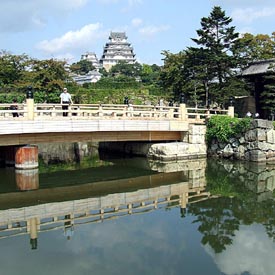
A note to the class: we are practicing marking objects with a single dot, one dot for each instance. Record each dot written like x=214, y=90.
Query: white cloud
x=252, y=251
x=85, y=36
x=136, y=22
x=250, y=14
x=16, y=16
x=152, y=30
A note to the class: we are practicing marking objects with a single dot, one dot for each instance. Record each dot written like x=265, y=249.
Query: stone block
x=270, y=136
x=260, y=134
x=257, y=156
x=262, y=123
x=228, y=151
x=250, y=135
x=197, y=139
x=197, y=129
x=270, y=154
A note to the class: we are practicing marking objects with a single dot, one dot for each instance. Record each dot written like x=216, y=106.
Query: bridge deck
x=38, y=123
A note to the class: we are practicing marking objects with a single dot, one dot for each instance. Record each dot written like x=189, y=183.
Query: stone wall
x=256, y=144
x=192, y=146
x=67, y=152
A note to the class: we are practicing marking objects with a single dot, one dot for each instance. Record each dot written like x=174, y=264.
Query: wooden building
x=257, y=73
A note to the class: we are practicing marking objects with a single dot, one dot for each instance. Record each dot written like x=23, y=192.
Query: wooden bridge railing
x=116, y=111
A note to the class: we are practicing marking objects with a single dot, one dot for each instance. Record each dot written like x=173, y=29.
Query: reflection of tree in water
x=217, y=222
x=219, y=218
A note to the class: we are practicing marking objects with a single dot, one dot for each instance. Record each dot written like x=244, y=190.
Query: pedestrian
x=14, y=106
x=65, y=100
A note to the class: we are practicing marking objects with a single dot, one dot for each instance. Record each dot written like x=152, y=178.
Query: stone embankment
x=257, y=144
x=53, y=153
x=192, y=146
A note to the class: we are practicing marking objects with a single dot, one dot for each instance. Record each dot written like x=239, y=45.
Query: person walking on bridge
x=65, y=100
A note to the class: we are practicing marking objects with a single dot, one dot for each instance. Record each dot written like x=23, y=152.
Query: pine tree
x=218, y=38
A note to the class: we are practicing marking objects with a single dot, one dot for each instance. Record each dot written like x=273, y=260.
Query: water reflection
x=99, y=201
x=215, y=213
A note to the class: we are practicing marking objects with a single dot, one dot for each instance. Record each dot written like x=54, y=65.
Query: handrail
x=50, y=111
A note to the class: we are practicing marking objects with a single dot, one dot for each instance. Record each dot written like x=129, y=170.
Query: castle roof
x=118, y=35
x=259, y=67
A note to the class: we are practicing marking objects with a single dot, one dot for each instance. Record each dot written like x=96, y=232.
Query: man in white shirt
x=65, y=99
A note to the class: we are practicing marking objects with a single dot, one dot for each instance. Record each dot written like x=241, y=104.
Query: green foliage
x=255, y=47
x=126, y=69
x=267, y=97
x=82, y=67
x=223, y=128
x=172, y=77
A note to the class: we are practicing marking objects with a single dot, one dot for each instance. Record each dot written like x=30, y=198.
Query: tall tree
x=172, y=73
x=218, y=38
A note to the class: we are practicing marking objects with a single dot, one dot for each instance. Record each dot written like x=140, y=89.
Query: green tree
x=12, y=68
x=172, y=73
x=255, y=47
x=126, y=69
x=48, y=77
x=82, y=67
x=218, y=39
x=150, y=74
x=198, y=75
x=267, y=97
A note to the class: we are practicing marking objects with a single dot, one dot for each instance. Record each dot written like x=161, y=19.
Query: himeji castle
x=117, y=49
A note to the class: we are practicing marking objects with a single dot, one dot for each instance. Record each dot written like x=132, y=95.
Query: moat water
x=134, y=216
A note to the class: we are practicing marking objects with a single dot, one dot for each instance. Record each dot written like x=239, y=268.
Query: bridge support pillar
x=26, y=157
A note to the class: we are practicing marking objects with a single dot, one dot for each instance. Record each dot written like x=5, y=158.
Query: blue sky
x=65, y=29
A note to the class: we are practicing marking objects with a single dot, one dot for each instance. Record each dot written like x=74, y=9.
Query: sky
x=66, y=29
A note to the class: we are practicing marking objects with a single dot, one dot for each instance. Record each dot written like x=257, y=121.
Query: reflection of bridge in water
x=68, y=207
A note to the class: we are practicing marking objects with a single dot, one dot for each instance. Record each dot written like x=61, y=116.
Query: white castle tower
x=117, y=49
x=91, y=56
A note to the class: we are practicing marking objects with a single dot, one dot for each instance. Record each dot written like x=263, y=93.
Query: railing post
x=171, y=113
x=30, y=103
x=30, y=108
x=100, y=111
x=183, y=111
x=53, y=113
x=70, y=110
x=230, y=111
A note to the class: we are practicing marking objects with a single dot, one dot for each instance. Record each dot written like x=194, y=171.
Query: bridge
x=32, y=123
x=45, y=123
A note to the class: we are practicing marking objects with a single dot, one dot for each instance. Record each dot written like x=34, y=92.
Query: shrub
x=223, y=128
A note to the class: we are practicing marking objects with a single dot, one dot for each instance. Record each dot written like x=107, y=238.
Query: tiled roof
x=259, y=67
